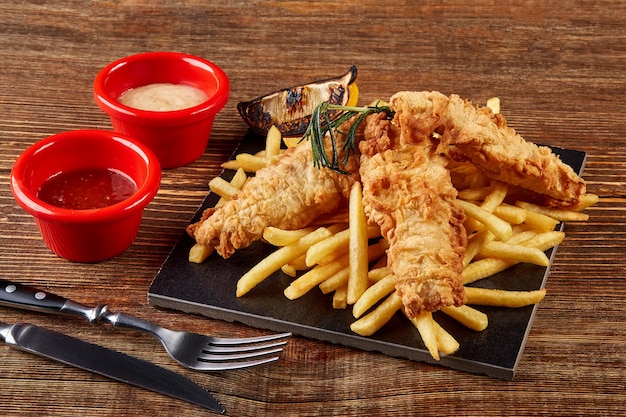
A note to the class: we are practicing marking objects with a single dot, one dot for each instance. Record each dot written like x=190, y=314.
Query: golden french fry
x=474, y=194
x=277, y=259
x=503, y=298
x=298, y=264
x=484, y=268
x=357, y=281
x=281, y=237
x=586, y=201
x=251, y=163
x=272, y=143
x=540, y=221
x=374, y=294
x=314, y=277
x=198, y=253
x=426, y=326
x=521, y=235
x=237, y=182
x=222, y=188
x=290, y=270
x=558, y=214
x=514, y=252
x=546, y=240
x=468, y=316
x=340, y=279
x=369, y=324
x=239, y=179
x=495, y=197
x=376, y=274
x=511, y=214
x=446, y=343
x=478, y=241
x=498, y=227
x=374, y=252
x=334, y=246
x=340, y=298
x=232, y=164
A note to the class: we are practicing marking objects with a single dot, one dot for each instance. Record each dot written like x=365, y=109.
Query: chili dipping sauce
x=87, y=189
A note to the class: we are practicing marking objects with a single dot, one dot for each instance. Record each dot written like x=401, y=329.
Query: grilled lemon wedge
x=290, y=109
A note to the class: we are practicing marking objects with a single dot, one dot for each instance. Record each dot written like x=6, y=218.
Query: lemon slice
x=290, y=109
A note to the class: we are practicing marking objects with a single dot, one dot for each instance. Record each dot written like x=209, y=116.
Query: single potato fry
x=495, y=197
x=340, y=279
x=314, y=277
x=503, y=298
x=357, y=281
x=586, y=201
x=340, y=298
x=540, y=221
x=511, y=214
x=498, y=227
x=474, y=245
x=281, y=237
x=446, y=343
x=468, y=316
x=250, y=163
x=237, y=182
x=376, y=274
x=546, y=240
x=514, y=252
x=484, y=268
x=338, y=244
x=369, y=324
x=374, y=294
x=232, y=164
x=198, y=253
x=558, y=214
x=222, y=188
x=428, y=331
x=272, y=143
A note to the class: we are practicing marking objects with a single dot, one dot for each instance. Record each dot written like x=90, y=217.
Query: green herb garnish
x=322, y=123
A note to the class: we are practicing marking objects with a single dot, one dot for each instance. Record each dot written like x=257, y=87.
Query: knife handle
x=29, y=298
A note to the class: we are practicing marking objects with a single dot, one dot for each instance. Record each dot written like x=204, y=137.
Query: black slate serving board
x=209, y=289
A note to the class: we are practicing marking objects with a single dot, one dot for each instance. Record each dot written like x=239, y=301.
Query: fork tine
x=245, y=348
x=227, y=366
x=215, y=357
x=248, y=340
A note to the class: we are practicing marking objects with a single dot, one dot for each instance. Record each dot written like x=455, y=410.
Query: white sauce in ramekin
x=163, y=97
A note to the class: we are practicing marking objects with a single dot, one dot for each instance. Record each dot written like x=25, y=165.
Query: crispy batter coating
x=407, y=191
x=289, y=194
x=492, y=146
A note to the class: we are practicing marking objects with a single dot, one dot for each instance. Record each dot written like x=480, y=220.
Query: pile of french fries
x=342, y=255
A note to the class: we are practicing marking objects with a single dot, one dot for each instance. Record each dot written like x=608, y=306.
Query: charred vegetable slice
x=290, y=109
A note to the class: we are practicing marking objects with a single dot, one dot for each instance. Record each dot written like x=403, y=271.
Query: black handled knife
x=106, y=362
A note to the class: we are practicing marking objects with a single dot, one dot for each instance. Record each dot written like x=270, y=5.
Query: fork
x=191, y=350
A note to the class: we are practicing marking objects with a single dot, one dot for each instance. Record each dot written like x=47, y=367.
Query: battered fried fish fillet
x=289, y=194
x=407, y=191
x=493, y=147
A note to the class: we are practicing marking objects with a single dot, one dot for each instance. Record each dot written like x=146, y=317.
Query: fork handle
x=30, y=298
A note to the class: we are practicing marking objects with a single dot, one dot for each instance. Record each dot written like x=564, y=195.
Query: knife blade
x=103, y=361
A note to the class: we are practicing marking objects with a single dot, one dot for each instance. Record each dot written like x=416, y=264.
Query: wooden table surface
x=560, y=72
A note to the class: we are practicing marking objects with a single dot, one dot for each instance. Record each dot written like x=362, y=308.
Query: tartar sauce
x=163, y=97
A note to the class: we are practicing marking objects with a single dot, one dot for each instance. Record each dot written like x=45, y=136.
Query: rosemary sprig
x=322, y=124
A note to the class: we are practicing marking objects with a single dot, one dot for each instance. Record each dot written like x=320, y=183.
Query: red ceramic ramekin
x=95, y=234
x=177, y=137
